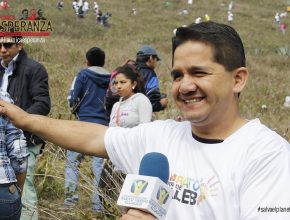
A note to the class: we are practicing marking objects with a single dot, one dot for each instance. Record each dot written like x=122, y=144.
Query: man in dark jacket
x=26, y=81
x=86, y=101
x=147, y=59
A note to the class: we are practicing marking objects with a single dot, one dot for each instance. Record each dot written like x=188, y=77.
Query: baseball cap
x=147, y=50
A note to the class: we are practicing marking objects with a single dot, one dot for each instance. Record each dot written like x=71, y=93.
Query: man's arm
x=83, y=137
x=154, y=95
x=17, y=152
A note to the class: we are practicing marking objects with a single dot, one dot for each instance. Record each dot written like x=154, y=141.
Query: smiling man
x=222, y=166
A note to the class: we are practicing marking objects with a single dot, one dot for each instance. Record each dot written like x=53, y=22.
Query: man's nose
x=187, y=84
x=118, y=86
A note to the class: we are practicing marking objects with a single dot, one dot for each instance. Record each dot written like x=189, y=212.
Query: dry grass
x=63, y=55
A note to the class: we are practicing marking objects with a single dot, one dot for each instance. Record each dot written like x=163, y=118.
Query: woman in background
x=133, y=107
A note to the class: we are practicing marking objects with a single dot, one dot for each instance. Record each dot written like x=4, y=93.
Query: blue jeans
x=71, y=179
x=10, y=202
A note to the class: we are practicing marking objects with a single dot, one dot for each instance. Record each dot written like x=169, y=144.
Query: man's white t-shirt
x=245, y=177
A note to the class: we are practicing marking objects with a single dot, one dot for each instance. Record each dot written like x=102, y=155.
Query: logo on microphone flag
x=162, y=195
x=138, y=187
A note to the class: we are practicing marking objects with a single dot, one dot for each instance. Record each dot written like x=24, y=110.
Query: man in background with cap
x=147, y=59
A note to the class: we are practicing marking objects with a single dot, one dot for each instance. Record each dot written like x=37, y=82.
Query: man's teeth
x=193, y=100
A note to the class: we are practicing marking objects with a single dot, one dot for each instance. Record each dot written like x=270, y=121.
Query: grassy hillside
x=63, y=55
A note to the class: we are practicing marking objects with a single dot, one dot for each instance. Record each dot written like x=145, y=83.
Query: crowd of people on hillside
x=82, y=8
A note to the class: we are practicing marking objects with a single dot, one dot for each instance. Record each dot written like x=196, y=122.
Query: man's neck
x=220, y=130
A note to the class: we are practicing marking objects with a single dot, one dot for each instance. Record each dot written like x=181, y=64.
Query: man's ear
x=241, y=75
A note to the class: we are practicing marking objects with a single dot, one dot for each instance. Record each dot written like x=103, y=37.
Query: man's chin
x=5, y=59
x=194, y=119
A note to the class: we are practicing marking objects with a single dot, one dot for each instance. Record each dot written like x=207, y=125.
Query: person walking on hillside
x=13, y=166
x=26, y=81
x=96, y=8
x=222, y=165
x=230, y=17
x=147, y=59
x=277, y=18
x=86, y=101
x=86, y=7
x=283, y=27
x=59, y=4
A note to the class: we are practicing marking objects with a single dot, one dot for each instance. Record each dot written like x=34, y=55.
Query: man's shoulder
x=260, y=131
x=25, y=60
x=261, y=139
x=145, y=70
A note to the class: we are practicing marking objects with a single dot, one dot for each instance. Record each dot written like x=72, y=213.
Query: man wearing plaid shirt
x=13, y=166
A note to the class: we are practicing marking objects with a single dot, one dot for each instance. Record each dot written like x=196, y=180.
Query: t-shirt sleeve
x=125, y=147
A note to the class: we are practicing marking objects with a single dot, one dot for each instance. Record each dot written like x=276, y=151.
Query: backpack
x=111, y=94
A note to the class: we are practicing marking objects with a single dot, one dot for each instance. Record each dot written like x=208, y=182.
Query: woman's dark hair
x=131, y=72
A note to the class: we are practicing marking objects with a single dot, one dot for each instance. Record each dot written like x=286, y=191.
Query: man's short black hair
x=228, y=49
x=96, y=57
x=143, y=59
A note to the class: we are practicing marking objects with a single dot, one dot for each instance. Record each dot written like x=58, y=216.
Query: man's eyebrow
x=197, y=69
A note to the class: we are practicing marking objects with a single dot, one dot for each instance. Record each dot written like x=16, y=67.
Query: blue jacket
x=87, y=95
x=151, y=86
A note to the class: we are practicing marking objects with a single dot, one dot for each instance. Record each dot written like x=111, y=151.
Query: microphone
x=148, y=191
